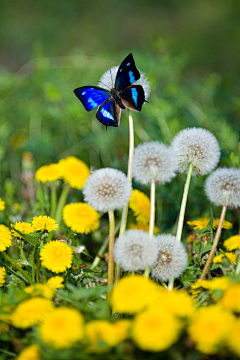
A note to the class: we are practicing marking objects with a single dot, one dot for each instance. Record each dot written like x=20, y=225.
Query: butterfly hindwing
x=133, y=97
x=91, y=96
x=109, y=114
x=127, y=73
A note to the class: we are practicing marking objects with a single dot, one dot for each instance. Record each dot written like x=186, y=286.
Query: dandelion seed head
x=107, y=81
x=154, y=161
x=135, y=250
x=107, y=189
x=171, y=258
x=197, y=146
x=222, y=187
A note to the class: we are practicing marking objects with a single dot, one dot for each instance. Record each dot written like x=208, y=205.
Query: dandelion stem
x=61, y=203
x=182, y=213
x=152, y=218
x=18, y=267
x=21, y=252
x=102, y=249
x=53, y=199
x=129, y=176
x=183, y=204
x=238, y=263
x=214, y=245
x=111, y=247
x=33, y=263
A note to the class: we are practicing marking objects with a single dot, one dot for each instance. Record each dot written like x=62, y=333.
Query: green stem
x=182, y=213
x=53, y=199
x=102, y=249
x=238, y=263
x=129, y=176
x=18, y=267
x=37, y=270
x=214, y=245
x=111, y=248
x=38, y=266
x=61, y=203
x=22, y=253
x=33, y=263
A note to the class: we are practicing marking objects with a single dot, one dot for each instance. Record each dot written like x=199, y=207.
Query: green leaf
x=188, y=277
x=24, y=262
x=206, y=249
x=31, y=239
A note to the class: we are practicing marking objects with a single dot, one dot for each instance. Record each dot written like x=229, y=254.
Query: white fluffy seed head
x=222, y=187
x=107, y=189
x=171, y=258
x=135, y=250
x=197, y=146
x=154, y=161
x=107, y=81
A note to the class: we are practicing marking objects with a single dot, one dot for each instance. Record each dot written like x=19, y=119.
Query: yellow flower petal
x=56, y=256
x=81, y=218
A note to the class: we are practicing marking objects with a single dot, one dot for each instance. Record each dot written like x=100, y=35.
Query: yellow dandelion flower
x=81, y=218
x=217, y=283
x=56, y=282
x=62, y=328
x=144, y=227
x=74, y=172
x=5, y=238
x=226, y=224
x=231, y=257
x=24, y=227
x=30, y=353
x=218, y=259
x=231, y=298
x=155, y=329
x=44, y=223
x=232, y=243
x=31, y=312
x=2, y=275
x=202, y=223
x=209, y=328
x=48, y=173
x=178, y=303
x=2, y=205
x=4, y=328
x=191, y=238
x=56, y=256
x=112, y=334
x=129, y=294
x=233, y=337
x=40, y=289
x=140, y=205
x=46, y=290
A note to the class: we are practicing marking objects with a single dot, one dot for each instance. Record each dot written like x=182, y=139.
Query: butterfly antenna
x=104, y=85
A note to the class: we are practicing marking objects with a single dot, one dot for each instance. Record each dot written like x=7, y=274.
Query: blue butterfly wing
x=133, y=97
x=91, y=96
x=109, y=114
x=127, y=73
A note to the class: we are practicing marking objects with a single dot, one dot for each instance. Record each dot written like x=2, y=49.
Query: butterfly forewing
x=133, y=97
x=127, y=73
x=109, y=114
x=91, y=96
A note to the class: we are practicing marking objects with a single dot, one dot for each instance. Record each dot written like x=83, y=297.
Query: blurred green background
x=188, y=49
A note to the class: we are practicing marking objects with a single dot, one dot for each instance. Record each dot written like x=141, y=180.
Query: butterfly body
x=122, y=95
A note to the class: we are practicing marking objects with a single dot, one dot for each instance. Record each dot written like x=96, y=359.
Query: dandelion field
x=104, y=256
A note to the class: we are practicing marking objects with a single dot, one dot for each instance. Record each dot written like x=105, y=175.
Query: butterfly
x=122, y=95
